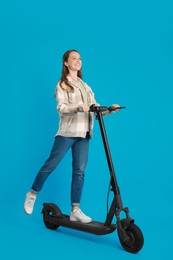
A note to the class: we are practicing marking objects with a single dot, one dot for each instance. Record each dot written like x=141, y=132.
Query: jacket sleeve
x=63, y=106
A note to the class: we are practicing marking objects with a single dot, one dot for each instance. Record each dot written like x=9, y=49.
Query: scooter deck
x=94, y=227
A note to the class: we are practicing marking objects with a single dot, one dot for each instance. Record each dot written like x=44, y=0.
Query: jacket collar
x=72, y=81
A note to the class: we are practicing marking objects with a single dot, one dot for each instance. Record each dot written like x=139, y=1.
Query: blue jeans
x=61, y=145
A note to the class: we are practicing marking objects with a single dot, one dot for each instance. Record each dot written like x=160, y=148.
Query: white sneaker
x=78, y=215
x=29, y=203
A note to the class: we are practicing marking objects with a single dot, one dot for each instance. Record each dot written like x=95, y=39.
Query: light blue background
x=126, y=47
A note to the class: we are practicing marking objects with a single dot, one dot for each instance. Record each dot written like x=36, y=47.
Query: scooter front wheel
x=135, y=240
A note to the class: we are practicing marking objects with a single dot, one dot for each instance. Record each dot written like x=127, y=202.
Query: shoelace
x=80, y=212
x=31, y=202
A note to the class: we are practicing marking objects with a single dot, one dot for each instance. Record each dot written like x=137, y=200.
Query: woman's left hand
x=116, y=106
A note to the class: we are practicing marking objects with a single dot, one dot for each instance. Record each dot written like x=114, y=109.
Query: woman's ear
x=65, y=63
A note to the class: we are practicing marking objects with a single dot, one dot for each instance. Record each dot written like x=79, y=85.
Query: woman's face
x=74, y=62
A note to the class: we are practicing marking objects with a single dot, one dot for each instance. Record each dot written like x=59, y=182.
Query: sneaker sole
x=78, y=220
x=27, y=212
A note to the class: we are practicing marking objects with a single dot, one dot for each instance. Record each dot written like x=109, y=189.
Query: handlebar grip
x=115, y=108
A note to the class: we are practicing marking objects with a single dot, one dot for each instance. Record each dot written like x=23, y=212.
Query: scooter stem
x=114, y=183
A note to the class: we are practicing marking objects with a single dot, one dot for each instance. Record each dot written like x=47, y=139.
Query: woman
x=75, y=129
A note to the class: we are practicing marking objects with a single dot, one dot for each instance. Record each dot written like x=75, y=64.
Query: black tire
x=48, y=224
x=136, y=239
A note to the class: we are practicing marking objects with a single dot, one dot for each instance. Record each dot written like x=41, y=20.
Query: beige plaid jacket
x=73, y=123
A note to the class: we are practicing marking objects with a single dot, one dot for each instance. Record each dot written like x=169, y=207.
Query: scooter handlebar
x=96, y=109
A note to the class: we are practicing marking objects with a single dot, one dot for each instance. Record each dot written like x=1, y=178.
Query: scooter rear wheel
x=48, y=224
x=135, y=241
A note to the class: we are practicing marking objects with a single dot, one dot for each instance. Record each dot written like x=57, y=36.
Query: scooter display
x=130, y=235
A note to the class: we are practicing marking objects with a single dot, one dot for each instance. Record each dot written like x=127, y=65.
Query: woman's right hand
x=84, y=107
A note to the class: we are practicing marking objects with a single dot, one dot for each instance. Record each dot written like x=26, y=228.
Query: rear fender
x=51, y=207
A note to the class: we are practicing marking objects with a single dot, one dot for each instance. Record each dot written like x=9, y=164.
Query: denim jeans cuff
x=33, y=191
x=75, y=204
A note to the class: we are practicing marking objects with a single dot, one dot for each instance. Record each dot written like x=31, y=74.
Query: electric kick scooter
x=130, y=236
